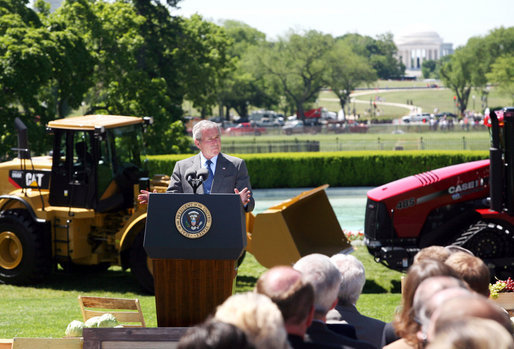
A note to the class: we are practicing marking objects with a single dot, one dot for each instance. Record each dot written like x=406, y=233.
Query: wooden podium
x=194, y=241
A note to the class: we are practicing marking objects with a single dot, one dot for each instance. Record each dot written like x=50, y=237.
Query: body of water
x=348, y=203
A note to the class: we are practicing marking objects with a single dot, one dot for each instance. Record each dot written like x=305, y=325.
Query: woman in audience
x=258, y=317
x=404, y=324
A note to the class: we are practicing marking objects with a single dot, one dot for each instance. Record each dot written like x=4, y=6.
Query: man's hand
x=244, y=194
x=143, y=196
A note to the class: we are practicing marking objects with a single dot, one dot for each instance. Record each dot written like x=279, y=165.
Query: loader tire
x=24, y=258
x=140, y=264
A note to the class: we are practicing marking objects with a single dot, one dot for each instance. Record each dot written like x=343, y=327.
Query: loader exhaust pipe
x=23, y=139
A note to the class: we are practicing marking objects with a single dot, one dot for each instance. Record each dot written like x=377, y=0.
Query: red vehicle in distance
x=245, y=128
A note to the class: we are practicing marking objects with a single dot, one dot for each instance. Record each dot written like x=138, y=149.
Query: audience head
x=455, y=248
x=473, y=305
x=323, y=275
x=405, y=324
x=439, y=253
x=293, y=295
x=472, y=333
x=472, y=270
x=353, y=278
x=257, y=316
x=430, y=294
x=214, y=334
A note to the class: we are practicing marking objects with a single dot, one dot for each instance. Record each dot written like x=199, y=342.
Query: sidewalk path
x=412, y=108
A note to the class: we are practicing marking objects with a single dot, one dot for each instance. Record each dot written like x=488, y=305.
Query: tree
x=136, y=69
x=297, y=65
x=244, y=86
x=380, y=52
x=428, y=68
x=502, y=74
x=40, y=62
x=204, y=48
x=345, y=71
x=467, y=68
x=457, y=75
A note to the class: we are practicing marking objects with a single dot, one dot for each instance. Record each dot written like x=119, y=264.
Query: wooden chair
x=126, y=311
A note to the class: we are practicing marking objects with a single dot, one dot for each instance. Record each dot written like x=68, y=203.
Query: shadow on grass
x=113, y=280
x=372, y=286
x=245, y=283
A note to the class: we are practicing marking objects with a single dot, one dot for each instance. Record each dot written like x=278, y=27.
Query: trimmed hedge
x=339, y=169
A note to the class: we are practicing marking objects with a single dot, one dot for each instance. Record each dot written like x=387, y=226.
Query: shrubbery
x=339, y=169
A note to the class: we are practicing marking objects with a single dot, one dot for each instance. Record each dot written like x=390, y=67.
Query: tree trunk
x=300, y=112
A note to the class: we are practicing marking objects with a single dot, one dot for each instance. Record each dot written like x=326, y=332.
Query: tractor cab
x=96, y=161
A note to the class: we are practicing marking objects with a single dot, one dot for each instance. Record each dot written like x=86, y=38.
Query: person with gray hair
x=227, y=174
x=294, y=296
x=353, y=278
x=324, y=277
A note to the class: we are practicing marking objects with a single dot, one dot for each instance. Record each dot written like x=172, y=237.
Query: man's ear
x=197, y=143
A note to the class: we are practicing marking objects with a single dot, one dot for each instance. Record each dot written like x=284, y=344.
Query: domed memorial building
x=416, y=47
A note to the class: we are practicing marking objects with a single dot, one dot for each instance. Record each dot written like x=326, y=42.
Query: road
x=412, y=109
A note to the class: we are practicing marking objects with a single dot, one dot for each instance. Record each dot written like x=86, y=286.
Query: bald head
x=277, y=281
x=288, y=289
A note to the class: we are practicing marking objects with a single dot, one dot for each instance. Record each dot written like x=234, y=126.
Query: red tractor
x=470, y=205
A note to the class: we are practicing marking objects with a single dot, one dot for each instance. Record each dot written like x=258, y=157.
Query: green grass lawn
x=411, y=140
x=46, y=309
x=427, y=99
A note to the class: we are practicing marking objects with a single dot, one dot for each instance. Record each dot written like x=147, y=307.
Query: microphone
x=202, y=174
x=190, y=175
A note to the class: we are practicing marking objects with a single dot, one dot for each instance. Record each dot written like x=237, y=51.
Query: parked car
x=297, y=126
x=417, y=118
x=245, y=128
x=271, y=122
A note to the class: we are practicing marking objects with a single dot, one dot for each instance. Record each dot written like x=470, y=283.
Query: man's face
x=210, y=144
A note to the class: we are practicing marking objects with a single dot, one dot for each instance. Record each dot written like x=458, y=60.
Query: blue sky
x=454, y=20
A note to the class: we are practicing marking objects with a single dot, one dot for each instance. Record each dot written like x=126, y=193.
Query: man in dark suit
x=319, y=270
x=295, y=299
x=227, y=174
x=353, y=280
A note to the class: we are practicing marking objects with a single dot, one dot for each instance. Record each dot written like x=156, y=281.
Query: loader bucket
x=294, y=228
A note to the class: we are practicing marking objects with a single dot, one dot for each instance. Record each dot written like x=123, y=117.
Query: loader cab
x=96, y=166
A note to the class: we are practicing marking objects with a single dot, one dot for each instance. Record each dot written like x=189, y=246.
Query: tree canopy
x=471, y=66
